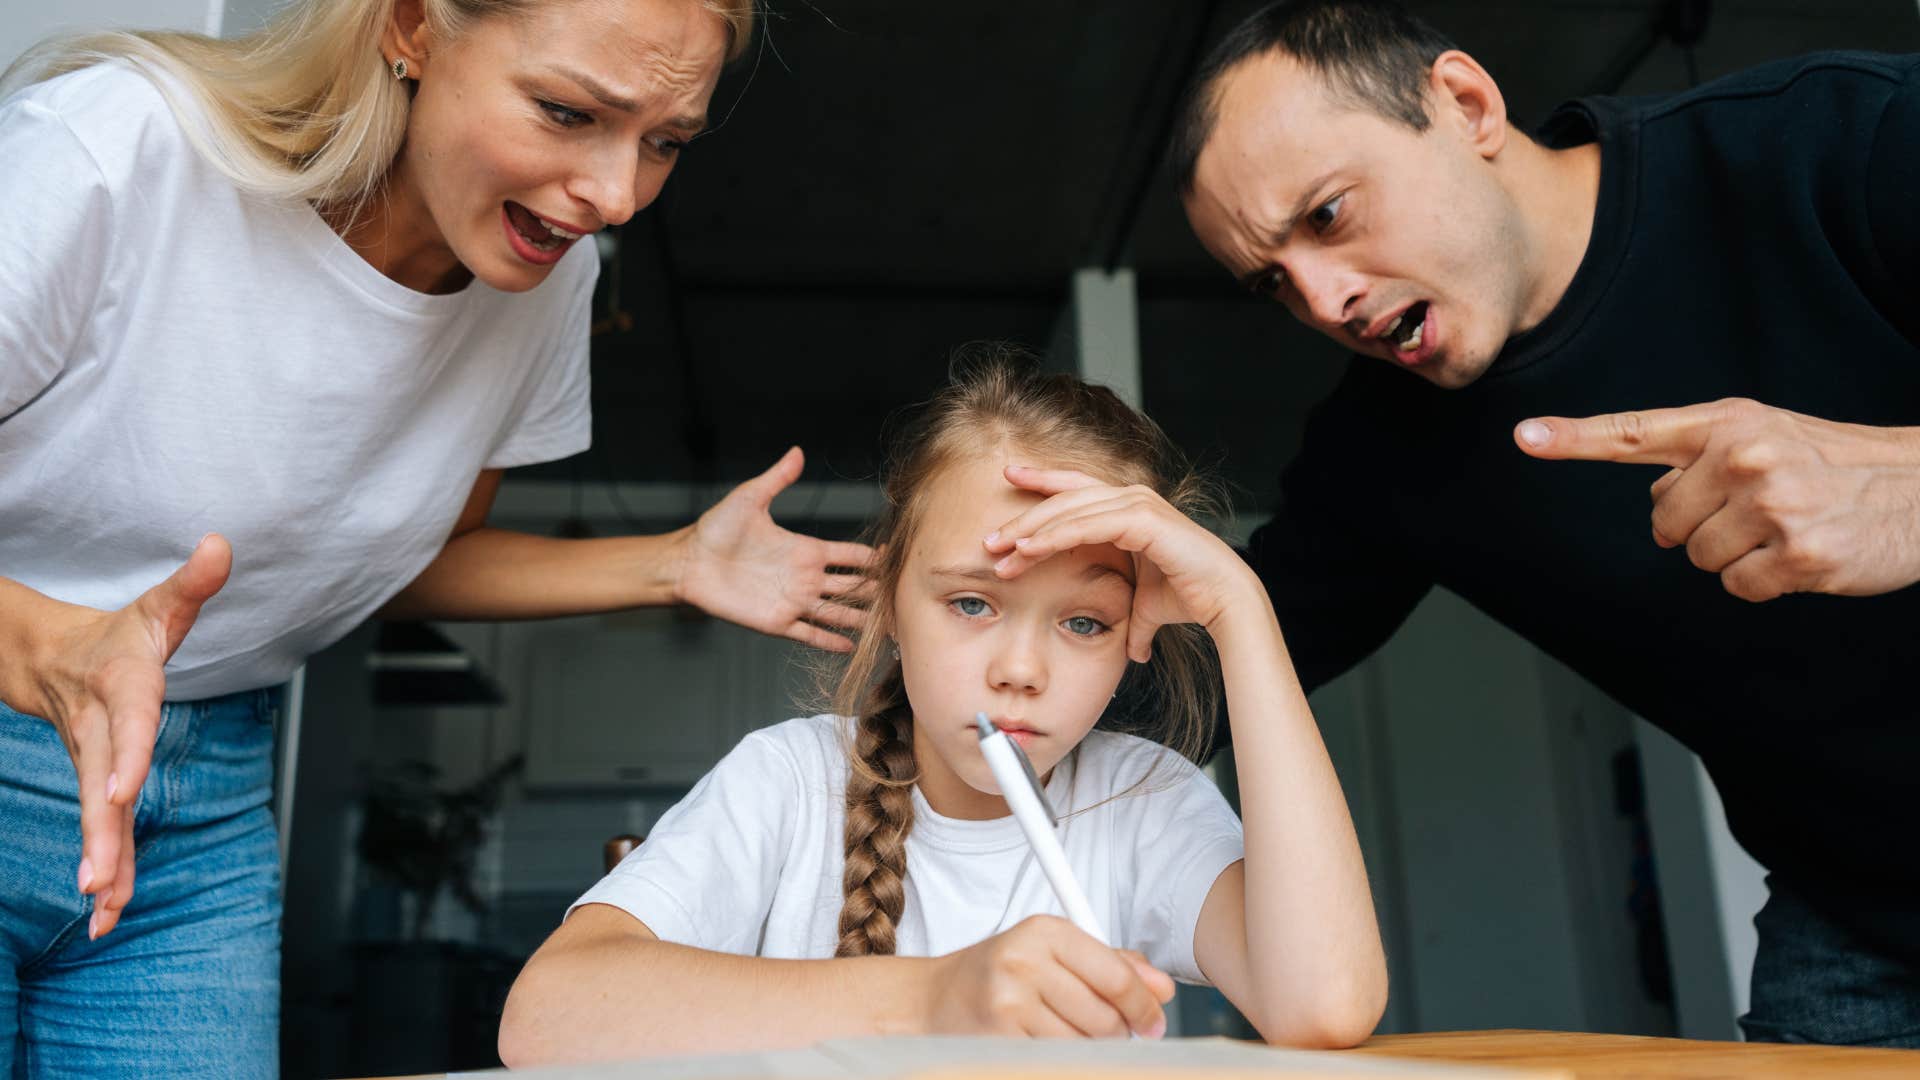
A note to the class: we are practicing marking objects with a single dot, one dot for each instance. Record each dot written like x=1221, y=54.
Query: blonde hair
x=303, y=108
x=995, y=398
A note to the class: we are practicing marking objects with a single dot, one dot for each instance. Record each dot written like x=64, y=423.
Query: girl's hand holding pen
x=1186, y=574
x=1046, y=978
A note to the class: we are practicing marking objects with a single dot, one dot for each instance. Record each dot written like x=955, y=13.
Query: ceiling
x=888, y=180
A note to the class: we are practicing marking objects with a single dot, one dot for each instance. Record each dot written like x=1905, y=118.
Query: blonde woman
x=311, y=291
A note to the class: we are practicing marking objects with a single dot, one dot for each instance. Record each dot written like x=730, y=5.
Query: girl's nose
x=1019, y=664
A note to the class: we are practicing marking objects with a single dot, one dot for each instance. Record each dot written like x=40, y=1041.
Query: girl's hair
x=303, y=108
x=996, y=397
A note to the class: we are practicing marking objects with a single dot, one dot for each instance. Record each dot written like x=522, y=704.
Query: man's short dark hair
x=1372, y=54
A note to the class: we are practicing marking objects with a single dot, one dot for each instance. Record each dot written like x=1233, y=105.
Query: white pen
x=1024, y=795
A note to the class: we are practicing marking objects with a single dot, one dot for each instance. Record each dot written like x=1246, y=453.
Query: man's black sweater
x=1757, y=237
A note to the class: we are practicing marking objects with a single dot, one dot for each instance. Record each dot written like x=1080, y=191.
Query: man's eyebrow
x=1277, y=237
x=691, y=123
x=1095, y=570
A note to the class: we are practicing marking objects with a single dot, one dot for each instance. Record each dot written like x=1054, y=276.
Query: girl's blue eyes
x=1085, y=626
x=974, y=607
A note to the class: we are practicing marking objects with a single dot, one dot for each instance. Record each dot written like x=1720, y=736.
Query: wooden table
x=1608, y=1057
x=1617, y=1057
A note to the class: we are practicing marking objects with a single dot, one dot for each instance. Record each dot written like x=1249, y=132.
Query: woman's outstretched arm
x=734, y=562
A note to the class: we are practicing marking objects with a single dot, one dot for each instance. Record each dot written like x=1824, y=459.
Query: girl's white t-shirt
x=179, y=358
x=750, y=861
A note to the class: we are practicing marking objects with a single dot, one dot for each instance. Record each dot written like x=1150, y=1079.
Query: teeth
x=1397, y=320
x=1413, y=342
x=558, y=231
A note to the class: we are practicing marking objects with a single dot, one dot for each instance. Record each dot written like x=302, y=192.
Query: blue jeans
x=1814, y=981
x=189, y=983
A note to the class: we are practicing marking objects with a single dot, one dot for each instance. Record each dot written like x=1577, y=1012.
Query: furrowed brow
x=688, y=124
x=600, y=91
x=1278, y=237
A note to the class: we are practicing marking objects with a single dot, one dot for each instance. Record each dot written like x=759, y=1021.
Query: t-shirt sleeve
x=557, y=419
x=1188, y=835
x=56, y=218
x=708, y=870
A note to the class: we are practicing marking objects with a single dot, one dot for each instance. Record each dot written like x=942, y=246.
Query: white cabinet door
x=642, y=701
x=651, y=699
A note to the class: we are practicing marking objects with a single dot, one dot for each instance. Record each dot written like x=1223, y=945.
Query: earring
x=896, y=650
x=399, y=67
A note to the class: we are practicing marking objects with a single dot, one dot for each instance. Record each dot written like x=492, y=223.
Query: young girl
x=858, y=874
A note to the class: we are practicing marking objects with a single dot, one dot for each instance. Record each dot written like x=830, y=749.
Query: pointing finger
x=1673, y=437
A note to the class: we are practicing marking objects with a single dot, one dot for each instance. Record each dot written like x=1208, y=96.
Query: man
x=1671, y=264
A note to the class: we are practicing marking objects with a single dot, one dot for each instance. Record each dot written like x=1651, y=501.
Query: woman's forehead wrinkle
x=653, y=69
x=667, y=69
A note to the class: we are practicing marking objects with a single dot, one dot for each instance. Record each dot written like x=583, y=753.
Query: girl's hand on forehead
x=1184, y=574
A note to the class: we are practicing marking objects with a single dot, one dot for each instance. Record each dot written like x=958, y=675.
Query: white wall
x=27, y=24
x=1710, y=889
x=1482, y=785
x=1740, y=888
x=245, y=15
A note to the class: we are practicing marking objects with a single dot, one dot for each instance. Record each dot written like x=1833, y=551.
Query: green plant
x=422, y=838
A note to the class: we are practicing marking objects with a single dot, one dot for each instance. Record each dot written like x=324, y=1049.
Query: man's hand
x=1772, y=501
x=742, y=567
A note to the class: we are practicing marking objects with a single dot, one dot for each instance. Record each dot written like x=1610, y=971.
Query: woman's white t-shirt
x=750, y=861
x=179, y=358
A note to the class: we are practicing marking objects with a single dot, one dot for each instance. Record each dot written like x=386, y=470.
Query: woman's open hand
x=1185, y=573
x=741, y=566
x=101, y=684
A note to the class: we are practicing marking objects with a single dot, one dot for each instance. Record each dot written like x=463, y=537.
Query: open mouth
x=539, y=234
x=1405, y=332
